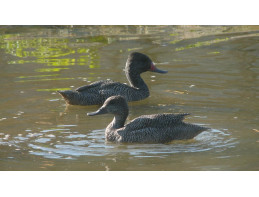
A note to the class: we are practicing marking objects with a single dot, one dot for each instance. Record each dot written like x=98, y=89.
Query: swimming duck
x=96, y=93
x=156, y=128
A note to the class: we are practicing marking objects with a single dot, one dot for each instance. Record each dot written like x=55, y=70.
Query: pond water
x=213, y=74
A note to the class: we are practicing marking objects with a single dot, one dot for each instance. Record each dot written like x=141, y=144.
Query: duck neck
x=118, y=121
x=135, y=80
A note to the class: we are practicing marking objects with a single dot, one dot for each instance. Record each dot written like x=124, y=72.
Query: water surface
x=213, y=74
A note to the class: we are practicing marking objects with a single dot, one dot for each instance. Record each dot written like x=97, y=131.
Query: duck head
x=139, y=63
x=116, y=105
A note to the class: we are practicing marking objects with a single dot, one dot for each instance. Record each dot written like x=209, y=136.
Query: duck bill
x=153, y=68
x=98, y=112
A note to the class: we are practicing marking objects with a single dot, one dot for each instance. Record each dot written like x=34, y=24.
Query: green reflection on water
x=19, y=46
x=101, y=39
x=204, y=43
x=52, y=51
x=52, y=79
x=50, y=69
x=174, y=34
x=214, y=52
x=133, y=49
x=37, y=76
x=83, y=50
x=62, y=62
x=174, y=41
x=52, y=89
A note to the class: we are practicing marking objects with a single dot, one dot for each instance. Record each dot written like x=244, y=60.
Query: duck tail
x=64, y=93
x=200, y=129
x=68, y=95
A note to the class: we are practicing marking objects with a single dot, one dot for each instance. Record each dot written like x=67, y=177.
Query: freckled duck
x=156, y=128
x=96, y=93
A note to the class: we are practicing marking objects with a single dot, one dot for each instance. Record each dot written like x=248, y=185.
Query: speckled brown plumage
x=155, y=128
x=97, y=92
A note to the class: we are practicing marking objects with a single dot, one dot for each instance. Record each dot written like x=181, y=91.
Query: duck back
x=158, y=128
x=96, y=93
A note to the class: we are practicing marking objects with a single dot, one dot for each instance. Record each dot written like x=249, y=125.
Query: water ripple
x=94, y=144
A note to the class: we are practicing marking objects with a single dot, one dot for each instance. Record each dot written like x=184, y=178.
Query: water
x=213, y=74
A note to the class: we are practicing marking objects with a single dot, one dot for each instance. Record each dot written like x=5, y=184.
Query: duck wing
x=118, y=88
x=95, y=93
x=94, y=85
x=159, y=128
x=155, y=121
x=180, y=131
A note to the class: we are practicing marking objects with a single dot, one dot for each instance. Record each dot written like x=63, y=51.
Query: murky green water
x=213, y=74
